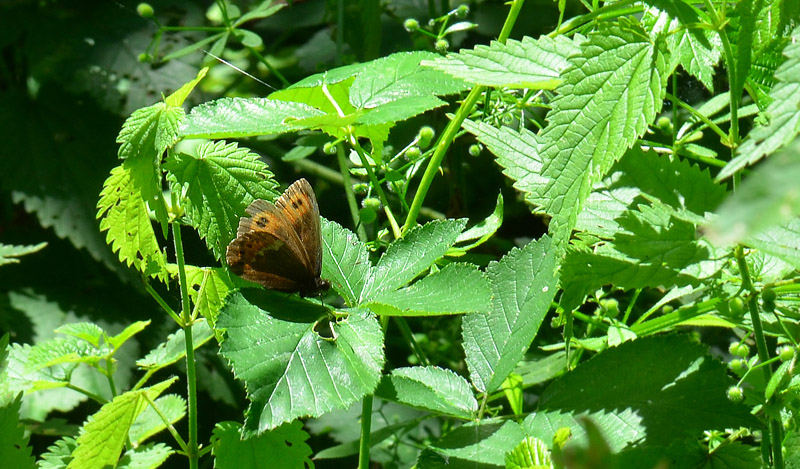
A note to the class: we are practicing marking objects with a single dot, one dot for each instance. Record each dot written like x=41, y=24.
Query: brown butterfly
x=279, y=247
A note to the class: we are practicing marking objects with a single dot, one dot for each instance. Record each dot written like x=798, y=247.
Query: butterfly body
x=280, y=245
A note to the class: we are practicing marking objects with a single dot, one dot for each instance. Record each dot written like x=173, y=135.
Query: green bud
x=768, y=295
x=413, y=153
x=735, y=394
x=475, y=149
x=329, y=148
x=145, y=10
x=360, y=188
x=411, y=24
x=372, y=203
x=736, y=364
x=462, y=11
x=785, y=352
x=425, y=135
x=736, y=306
x=610, y=306
x=442, y=45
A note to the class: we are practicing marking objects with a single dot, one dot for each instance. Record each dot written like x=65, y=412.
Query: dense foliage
x=558, y=234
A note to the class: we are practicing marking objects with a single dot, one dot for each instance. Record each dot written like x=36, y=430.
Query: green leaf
x=220, y=182
x=523, y=284
x=118, y=340
x=782, y=241
x=59, y=454
x=145, y=457
x=783, y=114
x=14, y=447
x=244, y=117
x=770, y=196
x=345, y=262
x=179, y=96
x=86, y=331
x=608, y=98
x=408, y=257
x=124, y=215
x=148, y=423
x=174, y=348
x=9, y=253
x=104, y=434
x=483, y=230
x=485, y=442
x=531, y=453
x=261, y=11
x=430, y=388
x=530, y=63
x=456, y=289
x=289, y=370
x=618, y=390
x=283, y=447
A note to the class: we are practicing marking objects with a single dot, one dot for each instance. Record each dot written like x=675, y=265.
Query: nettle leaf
x=456, y=289
x=174, y=348
x=59, y=454
x=291, y=371
x=149, y=131
x=783, y=114
x=696, y=49
x=523, y=284
x=243, y=117
x=782, y=241
x=430, y=388
x=345, y=261
x=86, y=331
x=149, y=455
x=9, y=253
x=124, y=214
x=286, y=444
x=768, y=197
x=608, y=98
x=530, y=63
x=485, y=442
x=220, y=181
x=104, y=434
x=14, y=443
x=408, y=257
x=149, y=422
x=651, y=391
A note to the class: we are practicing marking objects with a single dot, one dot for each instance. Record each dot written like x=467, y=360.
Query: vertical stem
x=366, y=429
x=348, y=191
x=191, y=376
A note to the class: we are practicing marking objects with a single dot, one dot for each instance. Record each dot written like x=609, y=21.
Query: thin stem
x=167, y=423
x=162, y=303
x=366, y=428
x=378, y=188
x=348, y=191
x=697, y=115
x=191, y=376
x=409, y=336
x=630, y=305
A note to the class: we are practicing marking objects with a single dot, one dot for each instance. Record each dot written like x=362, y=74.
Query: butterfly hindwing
x=263, y=258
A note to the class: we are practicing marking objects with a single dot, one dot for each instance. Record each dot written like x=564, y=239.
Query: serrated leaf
x=14, y=447
x=148, y=423
x=64, y=350
x=523, y=284
x=456, y=289
x=124, y=215
x=483, y=230
x=145, y=457
x=220, y=181
x=430, y=388
x=58, y=455
x=782, y=241
x=633, y=402
x=530, y=63
x=770, y=196
x=283, y=447
x=244, y=117
x=9, y=253
x=289, y=370
x=608, y=98
x=86, y=331
x=174, y=348
x=485, y=442
x=104, y=434
x=345, y=262
x=409, y=256
x=783, y=114
x=179, y=96
x=531, y=453
x=131, y=330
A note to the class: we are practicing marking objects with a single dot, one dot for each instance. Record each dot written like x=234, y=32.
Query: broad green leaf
x=146, y=456
x=456, y=289
x=408, y=257
x=86, y=331
x=104, y=434
x=149, y=131
x=174, y=348
x=282, y=447
x=243, y=117
x=262, y=10
x=148, y=423
x=523, y=284
x=65, y=350
x=612, y=92
x=430, y=388
x=9, y=253
x=651, y=391
x=14, y=447
x=124, y=215
x=782, y=241
x=770, y=196
x=783, y=114
x=345, y=262
x=530, y=63
x=291, y=371
x=220, y=181
x=531, y=453
x=179, y=96
x=485, y=442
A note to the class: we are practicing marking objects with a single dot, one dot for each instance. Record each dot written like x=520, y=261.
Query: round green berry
x=371, y=203
x=360, y=188
x=425, y=136
x=367, y=215
x=475, y=149
x=329, y=148
x=610, y=306
x=785, y=352
x=666, y=309
x=144, y=58
x=145, y=10
x=735, y=393
x=411, y=24
x=442, y=45
x=768, y=295
x=736, y=306
x=462, y=11
x=736, y=364
x=413, y=153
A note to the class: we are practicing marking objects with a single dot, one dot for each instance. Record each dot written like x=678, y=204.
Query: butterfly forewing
x=300, y=206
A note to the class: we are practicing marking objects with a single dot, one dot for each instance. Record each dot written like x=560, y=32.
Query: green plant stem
x=95, y=397
x=162, y=303
x=674, y=318
x=110, y=375
x=453, y=127
x=630, y=305
x=167, y=423
x=348, y=191
x=711, y=125
x=402, y=324
x=776, y=430
x=374, y=179
x=366, y=429
x=269, y=66
x=191, y=376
